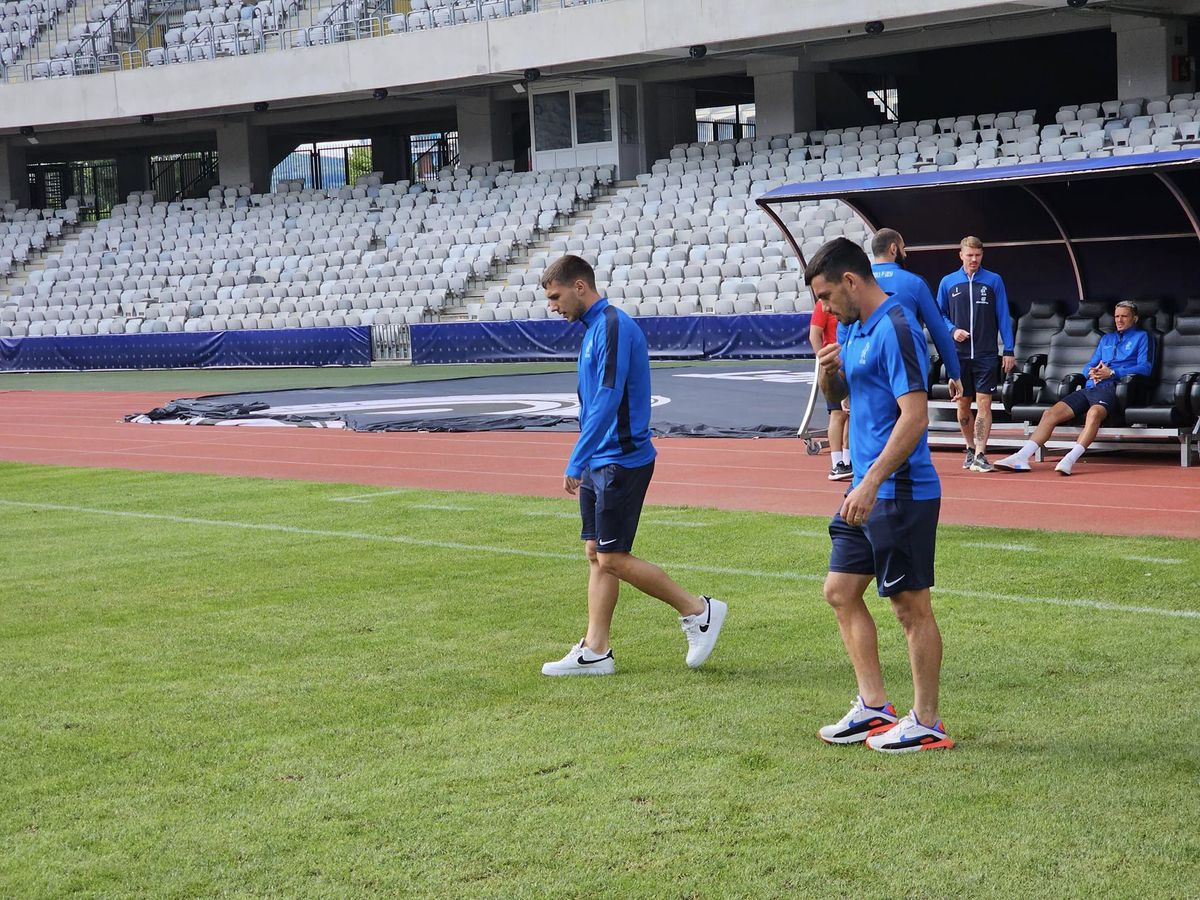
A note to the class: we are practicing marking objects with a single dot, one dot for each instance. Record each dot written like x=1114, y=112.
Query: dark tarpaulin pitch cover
x=718, y=401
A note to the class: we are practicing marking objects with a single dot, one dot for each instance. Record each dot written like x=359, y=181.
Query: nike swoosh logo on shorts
x=606, y=543
x=888, y=584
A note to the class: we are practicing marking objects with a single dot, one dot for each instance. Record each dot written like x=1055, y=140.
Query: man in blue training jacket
x=886, y=526
x=610, y=469
x=975, y=303
x=1126, y=351
x=910, y=289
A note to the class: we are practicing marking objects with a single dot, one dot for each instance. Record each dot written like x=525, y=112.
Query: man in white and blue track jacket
x=610, y=470
x=976, y=304
x=1126, y=351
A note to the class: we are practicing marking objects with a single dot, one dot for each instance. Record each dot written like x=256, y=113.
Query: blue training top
x=911, y=290
x=979, y=304
x=884, y=358
x=1126, y=353
x=614, y=393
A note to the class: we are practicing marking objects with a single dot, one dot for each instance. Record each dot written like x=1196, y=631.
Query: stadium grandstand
x=330, y=165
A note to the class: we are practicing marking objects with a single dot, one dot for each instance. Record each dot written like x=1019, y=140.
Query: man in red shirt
x=822, y=330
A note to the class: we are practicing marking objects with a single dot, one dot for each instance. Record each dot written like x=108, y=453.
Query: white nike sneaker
x=861, y=721
x=1013, y=463
x=1064, y=467
x=702, y=631
x=582, y=661
x=908, y=736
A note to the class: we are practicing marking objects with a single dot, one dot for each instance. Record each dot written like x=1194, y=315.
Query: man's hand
x=570, y=485
x=960, y=335
x=1008, y=363
x=858, y=504
x=956, y=388
x=1100, y=373
x=830, y=357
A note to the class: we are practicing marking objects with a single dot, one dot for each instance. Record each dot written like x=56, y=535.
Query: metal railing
x=391, y=342
x=723, y=131
x=134, y=48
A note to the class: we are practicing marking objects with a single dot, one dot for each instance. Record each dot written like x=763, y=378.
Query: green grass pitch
x=238, y=687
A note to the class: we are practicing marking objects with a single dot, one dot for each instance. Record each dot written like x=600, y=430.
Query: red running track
x=1131, y=496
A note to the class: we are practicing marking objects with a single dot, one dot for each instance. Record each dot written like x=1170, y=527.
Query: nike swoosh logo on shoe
x=708, y=620
x=590, y=662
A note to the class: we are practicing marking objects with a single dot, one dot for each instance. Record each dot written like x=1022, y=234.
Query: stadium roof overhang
x=1118, y=227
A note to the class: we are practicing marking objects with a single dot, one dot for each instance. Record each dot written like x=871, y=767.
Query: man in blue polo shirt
x=1126, y=351
x=610, y=469
x=886, y=527
x=887, y=246
x=976, y=305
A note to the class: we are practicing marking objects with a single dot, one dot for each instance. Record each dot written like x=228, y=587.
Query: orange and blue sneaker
x=861, y=721
x=909, y=735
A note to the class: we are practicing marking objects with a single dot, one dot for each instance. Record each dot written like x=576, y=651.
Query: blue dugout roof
x=1097, y=229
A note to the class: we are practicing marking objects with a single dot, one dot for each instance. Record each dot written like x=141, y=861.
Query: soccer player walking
x=610, y=470
x=886, y=527
x=975, y=303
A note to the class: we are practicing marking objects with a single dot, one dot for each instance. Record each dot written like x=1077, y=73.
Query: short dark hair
x=567, y=270
x=1127, y=304
x=884, y=238
x=835, y=259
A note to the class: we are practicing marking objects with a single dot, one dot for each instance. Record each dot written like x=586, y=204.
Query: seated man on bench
x=1125, y=351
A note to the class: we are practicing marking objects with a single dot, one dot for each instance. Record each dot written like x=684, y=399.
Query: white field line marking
x=363, y=498
x=1015, y=548
x=1154, y=559
x=443, y=506
x=572, y=557
x=672, y=524
x=550, y=514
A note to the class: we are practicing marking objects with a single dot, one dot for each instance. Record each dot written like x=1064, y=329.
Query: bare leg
x=966, y=420
x=1092, y=421
x=844, y=592
x=837, y=430
x=650, y=579
x=915, y=613
x=983, y=421
x=1056, y=415
x=603, y=589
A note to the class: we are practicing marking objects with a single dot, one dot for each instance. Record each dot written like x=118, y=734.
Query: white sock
x=1072, y=455
x=1026, y=452
x=839, y=457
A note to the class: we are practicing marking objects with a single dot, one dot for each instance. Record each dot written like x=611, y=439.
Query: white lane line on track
x=405, y=540
x=774, y=489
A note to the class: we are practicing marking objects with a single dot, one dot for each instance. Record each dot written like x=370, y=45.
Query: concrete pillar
x=785, y=98
x=14, y=180
x=386, y=156
x=668, y=118
x=484, y=130
x=133, y=174
x=243, y=157
x=1147, y=50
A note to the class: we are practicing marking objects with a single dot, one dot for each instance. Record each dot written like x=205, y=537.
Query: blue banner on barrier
x=765, y=336
x=348, y=346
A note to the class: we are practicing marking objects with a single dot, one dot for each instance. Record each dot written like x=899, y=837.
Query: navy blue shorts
x=896, y=545
x=979, y=372
x=830, y=406
x=610, y=504
x=1103, y=394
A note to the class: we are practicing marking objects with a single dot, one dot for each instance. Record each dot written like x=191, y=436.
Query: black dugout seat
x=1026, y=397
x=1174, y=401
